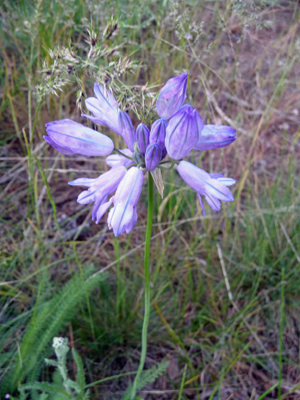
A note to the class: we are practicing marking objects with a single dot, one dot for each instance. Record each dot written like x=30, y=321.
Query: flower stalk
x=147, y=283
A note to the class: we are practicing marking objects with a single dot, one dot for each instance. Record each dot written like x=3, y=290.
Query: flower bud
x=158, y=132
x=172, y=96
x=153, y=156
x=127, y=129
x=142, y=137
x=215, y=136
x=183, y=132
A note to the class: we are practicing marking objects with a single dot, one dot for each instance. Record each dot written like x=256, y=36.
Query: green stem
x=122, y=154
x=147, y=284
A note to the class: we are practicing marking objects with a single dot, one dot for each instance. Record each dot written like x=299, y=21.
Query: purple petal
x=102, y=209
x=127, y=130
x=215, y=136
x=64, y=150
x=183, y=132
x=213, y=202
x=142, y=137
x=158, y=132
x=171, y=96
x=104, y=108
x=102, y=187
x=201, y=203
x=153, y=156
x=116, y=160
x=122, y=216
x=199, y=180
x=83, y=182
x=70, y=136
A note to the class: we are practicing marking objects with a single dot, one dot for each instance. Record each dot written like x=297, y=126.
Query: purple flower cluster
x=178, y=130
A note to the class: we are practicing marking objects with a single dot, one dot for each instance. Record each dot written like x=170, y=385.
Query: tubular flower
x=104, y=107
x=99, y=189
x=127, y=130
x=153, y=156
x=177, y=131
x=158, y=132
x=172, y=96
x=116, y=160
x=123, y=216
x=69, y=137
x=142, y=137
x=183, y=132
x=214, y=136
x=212, y=186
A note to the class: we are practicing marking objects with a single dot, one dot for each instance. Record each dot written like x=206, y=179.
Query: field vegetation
x=225, y=297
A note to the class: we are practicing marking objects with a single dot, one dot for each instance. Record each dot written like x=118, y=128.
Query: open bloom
x=123, y=216
x=214, y=136
x=212, y=186
x=99, y=189
x=171, y=96
x=104, y=107
x=183, y=132
x=69, y=137
x=177, y=131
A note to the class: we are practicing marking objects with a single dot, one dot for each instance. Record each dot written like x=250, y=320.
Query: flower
x=153, y=156
x=69, y=137
x=158, y=132
x=171, y=96
x=214, y=136
x=123, y=216
x=104, y=107
x=183, y=132
x=177, y=131
x=99, y=189
x=212, y=186
x=127, y=130
x=116, y=160
x=142, y=137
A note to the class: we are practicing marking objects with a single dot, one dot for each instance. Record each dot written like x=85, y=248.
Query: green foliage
x=147, y=376
x=49, y=320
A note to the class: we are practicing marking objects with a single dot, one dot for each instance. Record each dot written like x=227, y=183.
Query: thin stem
x=122, y=154
x=147, y=284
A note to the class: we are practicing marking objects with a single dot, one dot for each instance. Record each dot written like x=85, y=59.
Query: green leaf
x=73, y=385
x=80, y=379
x=45, y=387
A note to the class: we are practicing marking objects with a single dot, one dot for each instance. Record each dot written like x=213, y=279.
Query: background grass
x=225, y=287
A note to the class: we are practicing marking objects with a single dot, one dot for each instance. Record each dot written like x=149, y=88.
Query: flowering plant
x=178, y=130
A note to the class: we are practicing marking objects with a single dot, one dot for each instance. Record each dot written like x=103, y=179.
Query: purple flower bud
x=153, y=156
x=104, y=107
x=69, y=137
x=158, y=132
x=183, y=132
x=123, y=216
x=171, y=96
x=212, y=186
x=126, y=129
x=142, y=137
x=99, y=190
x=214, y=136
x=116, y=160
